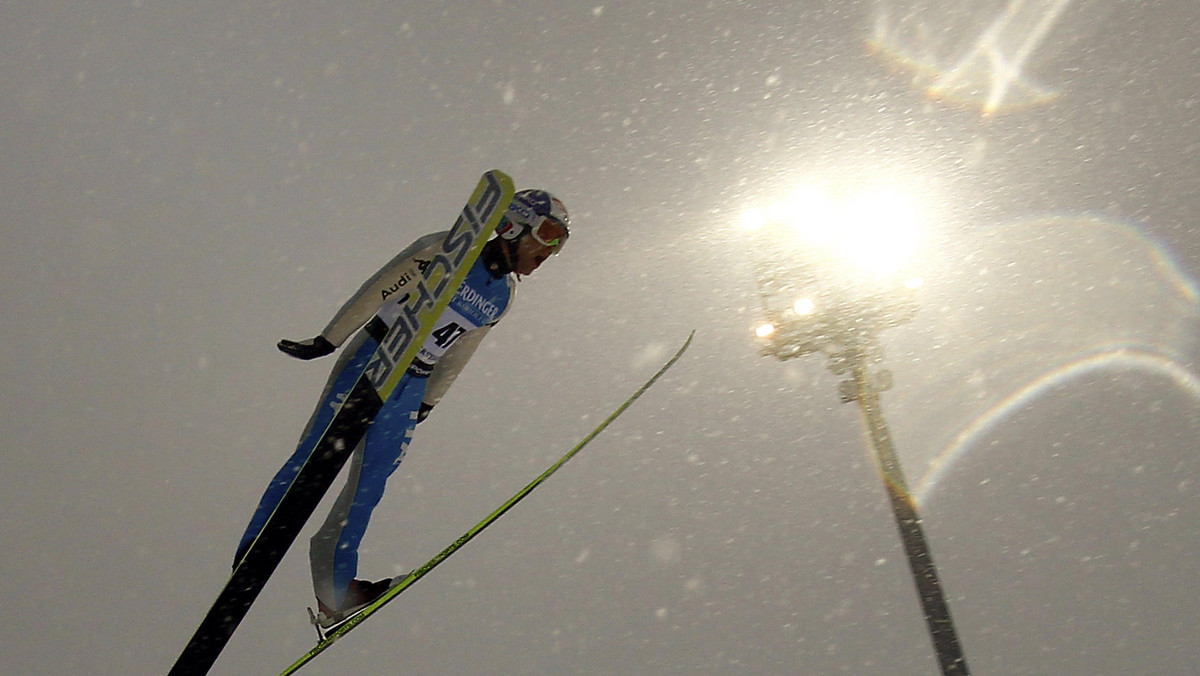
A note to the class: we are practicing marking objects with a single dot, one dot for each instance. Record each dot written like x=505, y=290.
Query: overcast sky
x=184, y=183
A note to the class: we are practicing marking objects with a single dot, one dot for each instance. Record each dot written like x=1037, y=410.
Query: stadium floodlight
x=833, y=271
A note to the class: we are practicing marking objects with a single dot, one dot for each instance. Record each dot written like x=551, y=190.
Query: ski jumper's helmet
x=539, y=214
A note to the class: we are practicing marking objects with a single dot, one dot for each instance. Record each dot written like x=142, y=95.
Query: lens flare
x=989, y=72
x=1025, y=308
x=1116, y=358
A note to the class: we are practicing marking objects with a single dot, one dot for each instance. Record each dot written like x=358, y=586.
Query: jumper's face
x=530, y=255
x=542, y=240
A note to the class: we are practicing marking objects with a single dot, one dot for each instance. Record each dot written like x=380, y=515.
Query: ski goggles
x=549, y=232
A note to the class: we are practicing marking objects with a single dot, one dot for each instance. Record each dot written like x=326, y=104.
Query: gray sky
x=184, y=183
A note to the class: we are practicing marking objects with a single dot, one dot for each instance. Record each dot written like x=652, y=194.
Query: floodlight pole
x=843, y=321
x=937, y=612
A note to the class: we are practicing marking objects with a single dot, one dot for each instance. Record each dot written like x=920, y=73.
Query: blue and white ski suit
x=478, y=304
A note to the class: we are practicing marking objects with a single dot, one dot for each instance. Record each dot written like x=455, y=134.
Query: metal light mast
x=809, y=306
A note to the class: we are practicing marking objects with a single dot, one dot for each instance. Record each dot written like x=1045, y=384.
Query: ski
x=432, y=293
x=333, y=634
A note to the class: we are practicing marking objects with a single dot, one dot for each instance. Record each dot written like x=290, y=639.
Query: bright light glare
x=804, y=306
x=754, y=219
x=877, y=230
x=764, y=330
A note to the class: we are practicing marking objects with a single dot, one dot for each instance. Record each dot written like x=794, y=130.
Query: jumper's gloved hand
x=423, y=412
x=306, y=349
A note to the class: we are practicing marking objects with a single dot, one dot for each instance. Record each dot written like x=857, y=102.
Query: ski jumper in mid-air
x=534, y=227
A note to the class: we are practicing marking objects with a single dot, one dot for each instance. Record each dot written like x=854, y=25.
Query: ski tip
x=683, y=348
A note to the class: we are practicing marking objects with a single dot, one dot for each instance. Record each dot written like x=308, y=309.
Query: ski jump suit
x=477, y=305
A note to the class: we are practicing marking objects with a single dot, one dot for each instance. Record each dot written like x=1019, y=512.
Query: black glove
x=306, y=349
x=423, y=412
